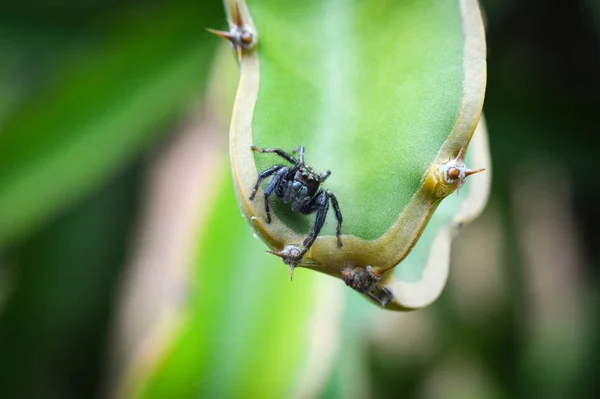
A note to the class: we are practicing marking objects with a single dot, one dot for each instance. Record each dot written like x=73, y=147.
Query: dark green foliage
x=65, y=66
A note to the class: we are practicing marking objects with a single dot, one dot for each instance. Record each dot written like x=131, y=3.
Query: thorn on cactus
x=241, y=35
x=455, y=172
x=291, y=255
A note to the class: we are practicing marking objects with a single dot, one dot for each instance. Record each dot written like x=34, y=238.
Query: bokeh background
x=113, y=126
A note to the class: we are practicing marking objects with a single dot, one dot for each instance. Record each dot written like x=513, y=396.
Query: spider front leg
x=300, y=152
x=263, y=176
x=276, y=180
x=277, y=151
x=338, y=216
x=319, y=203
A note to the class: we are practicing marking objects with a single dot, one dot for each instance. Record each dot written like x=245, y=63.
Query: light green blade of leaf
x=247, y=331
x=103, y=108
x=371, y=89
x=350, y=376
x=381, y=93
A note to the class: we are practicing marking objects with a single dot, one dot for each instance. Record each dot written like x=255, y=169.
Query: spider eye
x=304, y=174
x=311, y=178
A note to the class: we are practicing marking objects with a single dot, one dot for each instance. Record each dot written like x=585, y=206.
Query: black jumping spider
x=298, y=186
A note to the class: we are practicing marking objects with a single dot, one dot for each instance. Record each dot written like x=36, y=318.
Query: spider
x=298, y=186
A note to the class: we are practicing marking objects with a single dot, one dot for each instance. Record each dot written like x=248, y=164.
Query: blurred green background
x=101, y=106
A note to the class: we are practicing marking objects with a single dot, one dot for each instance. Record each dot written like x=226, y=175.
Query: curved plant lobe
x=422, y=275
x=381, y=93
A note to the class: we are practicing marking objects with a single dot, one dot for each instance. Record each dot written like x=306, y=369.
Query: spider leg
x=276, y=180
x=338, y=216
x=277, y=151
x=324, y=176
x=320, y=203
x=300, y=152
x=263, y=176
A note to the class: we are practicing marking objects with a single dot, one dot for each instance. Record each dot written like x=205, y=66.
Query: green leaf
x=245, y=331
x=102, y=109
x=235, y=326
x=60, y=305
x=382, y=93
x=357, y=82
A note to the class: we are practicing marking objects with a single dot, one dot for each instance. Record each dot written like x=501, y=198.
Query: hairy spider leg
x=263, y=176
x=338, y=216
x=282, y=172
x=300, y=152
x=277, y=151
x=324, y=176
x=319, y=203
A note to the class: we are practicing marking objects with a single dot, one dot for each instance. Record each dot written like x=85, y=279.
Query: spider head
x=305, y=183
x=307, y=177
